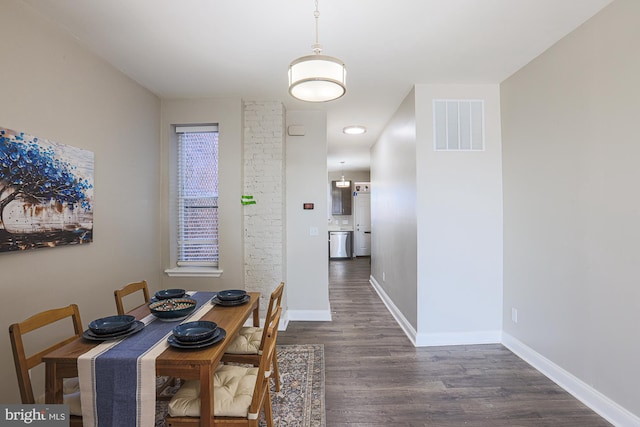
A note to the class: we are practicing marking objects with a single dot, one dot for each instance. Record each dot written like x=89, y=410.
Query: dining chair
x=248, y=345
x=24, y=363
x=240, y=392
x=119, y=294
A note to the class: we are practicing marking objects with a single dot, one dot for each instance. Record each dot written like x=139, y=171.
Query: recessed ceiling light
x=354, y=130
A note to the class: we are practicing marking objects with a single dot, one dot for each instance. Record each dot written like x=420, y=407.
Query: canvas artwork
x=46, y=193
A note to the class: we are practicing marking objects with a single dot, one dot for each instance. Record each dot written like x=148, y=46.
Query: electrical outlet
x=514, y=315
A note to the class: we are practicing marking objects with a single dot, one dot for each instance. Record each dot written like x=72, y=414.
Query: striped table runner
x=118, y=378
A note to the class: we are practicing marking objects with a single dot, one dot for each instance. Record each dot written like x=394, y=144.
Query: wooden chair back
x=275, y=302
x=119, y=294
x=23, y=362
x=262, y=394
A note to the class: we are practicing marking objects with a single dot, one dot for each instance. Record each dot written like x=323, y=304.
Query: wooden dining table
x=197, y=364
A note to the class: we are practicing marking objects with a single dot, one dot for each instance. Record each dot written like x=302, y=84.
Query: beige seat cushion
x=233, y=391
x=70, y=395
x=246, y=342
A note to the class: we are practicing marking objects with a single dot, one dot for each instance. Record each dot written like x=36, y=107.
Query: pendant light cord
x=317, y=47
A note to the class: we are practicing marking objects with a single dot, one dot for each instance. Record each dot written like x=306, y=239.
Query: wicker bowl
x=172, y=309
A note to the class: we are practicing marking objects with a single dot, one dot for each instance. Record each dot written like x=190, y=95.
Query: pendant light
x=317, y=77
x=342, y=183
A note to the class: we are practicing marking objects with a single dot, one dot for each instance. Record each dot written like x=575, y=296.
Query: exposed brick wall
x=264, y=178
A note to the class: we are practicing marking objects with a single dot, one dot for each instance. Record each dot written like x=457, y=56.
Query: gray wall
x=53, y=88
x=571, y=205
x=307, y=261
x=394, y=227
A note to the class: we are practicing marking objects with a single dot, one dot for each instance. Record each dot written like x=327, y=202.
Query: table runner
x=118, y=378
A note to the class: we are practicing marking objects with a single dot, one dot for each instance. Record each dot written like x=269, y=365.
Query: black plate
x=170, y=293
x=111, y=324
x=136, y=326
x=213, y=337
x=216, y=338
x=217, y=301
x=231, y=295
x=198, y=330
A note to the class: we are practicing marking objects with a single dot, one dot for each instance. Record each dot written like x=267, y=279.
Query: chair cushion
x=233, y=391
x=70, y=395
x=246, y=342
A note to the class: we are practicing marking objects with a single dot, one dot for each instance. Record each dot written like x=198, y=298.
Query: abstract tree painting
x=46, y=192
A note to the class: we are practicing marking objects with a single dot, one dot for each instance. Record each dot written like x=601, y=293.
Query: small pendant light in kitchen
x=342, y=183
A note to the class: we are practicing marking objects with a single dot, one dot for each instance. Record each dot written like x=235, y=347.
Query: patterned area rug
x=300, y=402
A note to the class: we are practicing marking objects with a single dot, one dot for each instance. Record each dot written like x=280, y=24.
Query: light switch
x=295, y=130
x=313, y=231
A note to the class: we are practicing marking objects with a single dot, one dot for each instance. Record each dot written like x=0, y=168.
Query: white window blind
x=458, y=125
x=197, y=240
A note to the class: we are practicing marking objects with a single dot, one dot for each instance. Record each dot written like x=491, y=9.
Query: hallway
x=375, y=377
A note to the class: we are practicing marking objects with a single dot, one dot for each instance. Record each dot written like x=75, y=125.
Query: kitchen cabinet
x=340, y=199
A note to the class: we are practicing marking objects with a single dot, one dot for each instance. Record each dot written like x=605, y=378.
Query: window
x=196, y=217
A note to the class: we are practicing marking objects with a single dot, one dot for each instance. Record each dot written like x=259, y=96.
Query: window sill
x=193, y=272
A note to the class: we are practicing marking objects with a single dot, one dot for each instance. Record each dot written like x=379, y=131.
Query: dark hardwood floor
x=375, y=377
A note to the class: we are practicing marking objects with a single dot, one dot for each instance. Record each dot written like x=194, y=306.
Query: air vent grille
x=458, y=125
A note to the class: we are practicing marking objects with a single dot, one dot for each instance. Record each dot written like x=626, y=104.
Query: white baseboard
x=428, y=340
x=284, y=321
x=599, y=403
x=458, y=338
x=309, y=315
x=408, y=329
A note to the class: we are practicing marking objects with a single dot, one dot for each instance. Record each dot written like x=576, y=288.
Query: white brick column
x=264, y=179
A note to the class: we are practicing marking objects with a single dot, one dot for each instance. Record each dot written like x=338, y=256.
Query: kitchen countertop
x=340, y=228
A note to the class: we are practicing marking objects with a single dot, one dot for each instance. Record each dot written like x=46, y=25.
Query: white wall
x=459, y=214
x=54, y=88
x=394, y=224
x=307, y=258
x=571, y=205
x=228, y=114
x=264, y=180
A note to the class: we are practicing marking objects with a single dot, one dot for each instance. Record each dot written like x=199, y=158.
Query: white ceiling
x=242, y=48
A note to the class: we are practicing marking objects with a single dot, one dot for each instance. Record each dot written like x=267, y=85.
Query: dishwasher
x=339, y=244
